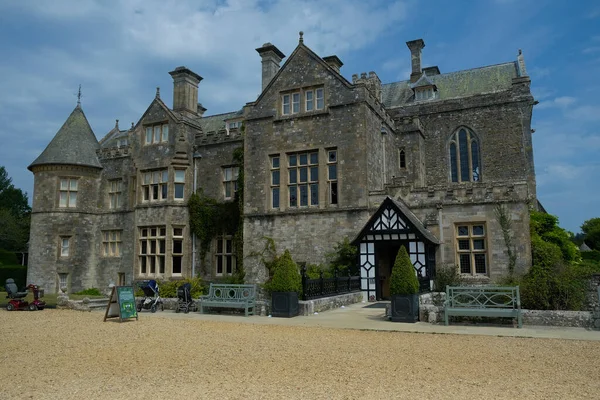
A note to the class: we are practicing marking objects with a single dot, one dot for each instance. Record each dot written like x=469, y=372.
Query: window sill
x=308, y=114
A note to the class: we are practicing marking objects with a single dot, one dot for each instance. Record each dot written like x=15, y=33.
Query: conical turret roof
x=74, y=144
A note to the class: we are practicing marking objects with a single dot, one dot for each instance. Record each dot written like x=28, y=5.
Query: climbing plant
x=210, y=218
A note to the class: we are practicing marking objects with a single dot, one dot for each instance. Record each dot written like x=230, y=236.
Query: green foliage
x=313, y=271
x=210, y=218
x=404, y=280
x=591, y=230
x=546, y=226
x=14, y=215
x=90, y=292
x=555, y=281
x=344, y=258
x=506, y=226
x=446, y=276
x=16, y=272
x=168, y=289
x=286, y=277
x=593, y=255
x=8, y=258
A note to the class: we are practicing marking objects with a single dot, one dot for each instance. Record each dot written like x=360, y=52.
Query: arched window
x=465, y=165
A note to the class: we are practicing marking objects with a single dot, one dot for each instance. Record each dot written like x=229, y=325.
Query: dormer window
x=424, y=93
x=234, y=125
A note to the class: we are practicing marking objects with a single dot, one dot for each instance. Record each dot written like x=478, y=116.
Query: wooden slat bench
x=230, y=296
x=483, y=301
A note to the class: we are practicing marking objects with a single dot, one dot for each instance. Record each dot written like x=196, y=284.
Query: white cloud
x=558, y=102
x=591, y=50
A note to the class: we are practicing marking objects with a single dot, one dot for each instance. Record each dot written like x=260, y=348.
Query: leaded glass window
x=465, y=162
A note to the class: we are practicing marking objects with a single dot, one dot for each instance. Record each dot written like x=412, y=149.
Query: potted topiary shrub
x=404, y=288
x=285, y=287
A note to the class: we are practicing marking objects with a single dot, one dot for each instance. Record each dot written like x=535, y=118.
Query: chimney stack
x=334, y=62
x=271, y=57
x=415, y=47
x=185, y=91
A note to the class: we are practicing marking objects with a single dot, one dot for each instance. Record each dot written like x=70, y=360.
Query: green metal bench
x=230, y=296
x=483, y=301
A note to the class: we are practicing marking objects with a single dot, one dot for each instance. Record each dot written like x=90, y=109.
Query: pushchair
x=151, y=300
x=185, y=302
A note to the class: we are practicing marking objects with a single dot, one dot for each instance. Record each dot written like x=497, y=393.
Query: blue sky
x=120, y=51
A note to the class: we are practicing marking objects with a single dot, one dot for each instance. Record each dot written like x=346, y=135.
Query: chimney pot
x=334, y=62
x=185, y=91
x=271, y=57
x=415, y=47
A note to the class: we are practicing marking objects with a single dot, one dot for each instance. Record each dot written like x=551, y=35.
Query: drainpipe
x=195, y=187
x=383, y=133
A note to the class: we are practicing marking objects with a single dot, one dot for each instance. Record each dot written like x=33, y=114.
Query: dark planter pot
x=405, y=308
x=284, y=304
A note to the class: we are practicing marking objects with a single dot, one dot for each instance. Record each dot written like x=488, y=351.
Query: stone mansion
x=423, y=163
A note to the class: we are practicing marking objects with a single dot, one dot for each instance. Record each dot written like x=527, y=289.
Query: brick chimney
x=271, y=57
x=415, y=47
x=185, y=91
x=334, y=62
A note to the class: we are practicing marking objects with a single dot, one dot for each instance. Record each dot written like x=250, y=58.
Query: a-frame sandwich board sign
x=121, y=304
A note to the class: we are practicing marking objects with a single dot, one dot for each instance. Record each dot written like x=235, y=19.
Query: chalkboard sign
x=121, y=304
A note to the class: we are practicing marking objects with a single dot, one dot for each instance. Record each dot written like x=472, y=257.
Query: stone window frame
x=224, y=257
x=64, y=247
x=115, y=193
x=69, y=187
x=112, y=243
x=468, y=253
x=295, y=168
x=230, y=174
x=333, y=186
x=177, y=249
x=179, y=184
x=120, y=278
x=317, y=100
x=148, y=235
x=461, y=171
x=402, y=158
x=63, y=281
x=156, y=133
x=301, y=106
x=150, y=181
x=275, y=181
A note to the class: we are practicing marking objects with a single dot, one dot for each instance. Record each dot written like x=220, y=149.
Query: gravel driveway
x=61, y=354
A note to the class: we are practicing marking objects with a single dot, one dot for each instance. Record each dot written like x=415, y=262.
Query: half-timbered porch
x=393, y=225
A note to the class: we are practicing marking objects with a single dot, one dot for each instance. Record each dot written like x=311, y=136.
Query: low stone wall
x=309, y=307
x=431, y=310
x=577, y=319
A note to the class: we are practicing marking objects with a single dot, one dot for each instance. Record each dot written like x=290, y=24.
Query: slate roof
x=74, y=144
x=215, y=123
x=452, y=85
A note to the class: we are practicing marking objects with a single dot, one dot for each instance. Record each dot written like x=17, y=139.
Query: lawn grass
x=50, y=299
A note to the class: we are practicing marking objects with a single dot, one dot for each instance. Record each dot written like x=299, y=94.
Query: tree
x=14, y=215
x=591, y=230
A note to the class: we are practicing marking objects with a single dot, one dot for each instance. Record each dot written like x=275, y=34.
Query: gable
x=394, y=221
x=303, y=69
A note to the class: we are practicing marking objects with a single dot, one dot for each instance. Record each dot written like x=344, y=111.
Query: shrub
x=16, y=272
x=404, y=280
x=593, y=255
x=344, y=258
x=8, y=258
x=313, y=271
x=446, y=276
x=286, y=277
x=90, y=292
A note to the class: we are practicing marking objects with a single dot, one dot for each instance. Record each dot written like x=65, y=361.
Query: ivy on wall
x=210, y=218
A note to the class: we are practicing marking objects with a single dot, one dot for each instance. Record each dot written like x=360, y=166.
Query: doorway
x=385, y=254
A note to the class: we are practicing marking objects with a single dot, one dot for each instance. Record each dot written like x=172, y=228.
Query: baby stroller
x=151, y=300
x=184, y=299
